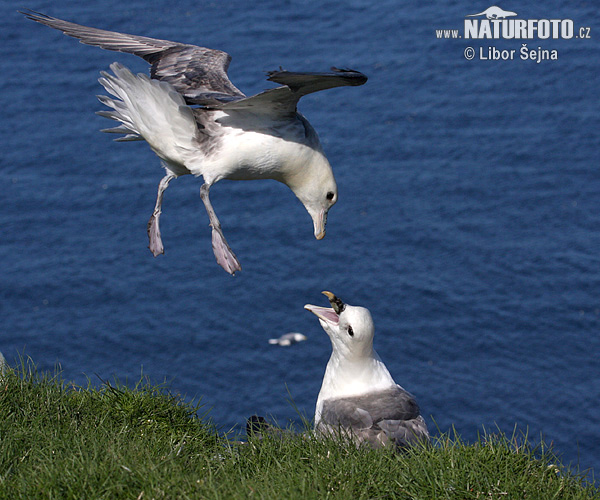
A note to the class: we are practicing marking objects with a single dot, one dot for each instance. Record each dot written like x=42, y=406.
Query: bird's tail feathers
x=120, y=114
x=149, y=110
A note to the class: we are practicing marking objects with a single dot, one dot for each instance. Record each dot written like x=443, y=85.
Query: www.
x=447, y=33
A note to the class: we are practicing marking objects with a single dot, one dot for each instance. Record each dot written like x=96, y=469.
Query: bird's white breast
x=346, y=379
x=256, y=148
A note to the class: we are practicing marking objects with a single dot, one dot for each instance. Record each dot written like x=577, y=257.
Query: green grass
x=66, y=442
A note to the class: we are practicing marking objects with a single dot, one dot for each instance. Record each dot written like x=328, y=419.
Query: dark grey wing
x=345, y=413
x=306, y=83
x=377, y=418
x=198, y=73
x=391, y=404
x=282, y=101
x=111, y=40
x=403, y=432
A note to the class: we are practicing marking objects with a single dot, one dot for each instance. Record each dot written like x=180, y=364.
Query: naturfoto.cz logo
x=495, y=23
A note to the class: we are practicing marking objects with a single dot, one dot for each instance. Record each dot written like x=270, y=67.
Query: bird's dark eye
x=350, y=331
x=330, y=195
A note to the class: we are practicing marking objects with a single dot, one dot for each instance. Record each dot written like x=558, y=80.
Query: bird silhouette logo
x=494, y=12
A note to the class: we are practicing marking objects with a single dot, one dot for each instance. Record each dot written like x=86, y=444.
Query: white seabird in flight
x=226, y=135
x=359, y=397
x=288, y=339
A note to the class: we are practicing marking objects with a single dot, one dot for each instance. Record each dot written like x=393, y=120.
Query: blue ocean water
x=468, y=219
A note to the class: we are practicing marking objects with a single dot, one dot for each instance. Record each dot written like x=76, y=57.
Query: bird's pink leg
x=224, y=255
x=156, y=246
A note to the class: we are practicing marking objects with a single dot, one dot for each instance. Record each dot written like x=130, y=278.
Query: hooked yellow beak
x=328, y=314
x=336, y=303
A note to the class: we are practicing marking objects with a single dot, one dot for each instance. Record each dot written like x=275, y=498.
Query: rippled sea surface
x=468, y=219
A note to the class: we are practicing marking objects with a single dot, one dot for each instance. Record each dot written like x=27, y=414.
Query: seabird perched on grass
x=225, y=135
x=359, y=397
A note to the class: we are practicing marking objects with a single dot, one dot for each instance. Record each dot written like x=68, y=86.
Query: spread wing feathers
x=152, y=110
x=305, y=83
x=378, y=418
x=199, y=74
x=195, y=72
x=282, y=101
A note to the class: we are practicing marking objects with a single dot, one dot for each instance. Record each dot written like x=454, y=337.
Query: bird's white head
x=315, y=187
x=350, y=328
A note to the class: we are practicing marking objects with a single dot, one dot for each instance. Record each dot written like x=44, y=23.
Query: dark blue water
x=468, y=219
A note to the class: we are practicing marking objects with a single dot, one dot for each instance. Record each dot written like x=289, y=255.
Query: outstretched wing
x=305, y=83
x=282, y=101
x=198, y=73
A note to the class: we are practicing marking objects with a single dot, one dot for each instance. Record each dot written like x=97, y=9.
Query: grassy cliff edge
x=62, y=441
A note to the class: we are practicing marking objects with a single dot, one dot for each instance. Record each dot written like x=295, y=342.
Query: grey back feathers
x=390, y=417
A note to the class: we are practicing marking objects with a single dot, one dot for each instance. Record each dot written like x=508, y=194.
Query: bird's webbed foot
x=223, y=253
x=156, y=245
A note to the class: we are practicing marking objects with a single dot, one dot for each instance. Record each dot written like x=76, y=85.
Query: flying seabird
x=359, y=397
x=288, y=339
x=199, y=123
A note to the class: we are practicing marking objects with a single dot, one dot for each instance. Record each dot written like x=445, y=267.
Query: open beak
x=328, y=314
x=319, y=222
